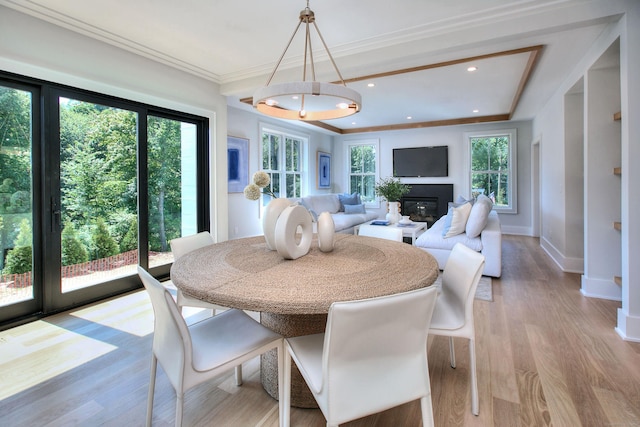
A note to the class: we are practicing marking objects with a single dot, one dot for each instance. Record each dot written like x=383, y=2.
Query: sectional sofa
x=475, y=225
x=347, y=210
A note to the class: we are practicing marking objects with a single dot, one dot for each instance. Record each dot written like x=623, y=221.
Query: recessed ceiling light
x=371, y=84
x=353, y=123
x=295, y=97
x=472, y=68
x=476, y=111
x=409, y=117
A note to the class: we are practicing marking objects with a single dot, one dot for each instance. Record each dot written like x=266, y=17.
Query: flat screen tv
x=421, y=161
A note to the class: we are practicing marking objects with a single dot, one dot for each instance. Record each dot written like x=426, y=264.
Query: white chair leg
x=239, y=375
x=452, y=353
x=427, y=411
x=475, y=410
x=179, y=402
x=152, y=386
x=281, y=380
x=285, y=416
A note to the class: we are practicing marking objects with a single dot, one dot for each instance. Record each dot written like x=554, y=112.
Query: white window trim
x=304, y=156
x=512, y=208
x=347, y=165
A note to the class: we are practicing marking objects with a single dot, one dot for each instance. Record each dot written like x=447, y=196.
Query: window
x=492, y=169
x=363, y=169
x=282, y=159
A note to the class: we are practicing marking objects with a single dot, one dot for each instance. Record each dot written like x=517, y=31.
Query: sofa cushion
x=321, y=203
x=344, y=221
x=478, y=216
x=354, y=209
x=432, y=239
x=456, y=220
x=348, y=199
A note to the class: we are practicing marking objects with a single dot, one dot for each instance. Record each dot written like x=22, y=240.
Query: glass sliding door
x=20, y=291
x=98, y=194
x=172, y=185
x=91, y=186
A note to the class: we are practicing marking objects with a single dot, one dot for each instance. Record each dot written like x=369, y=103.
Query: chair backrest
x=171, y=338
x=186, y=244
x=460, y=278
x=375, y=353
x=380, y=231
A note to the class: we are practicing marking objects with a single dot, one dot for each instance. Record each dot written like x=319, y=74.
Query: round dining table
x=294, y=296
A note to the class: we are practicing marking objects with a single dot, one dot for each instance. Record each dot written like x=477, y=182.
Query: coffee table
x=407, y=230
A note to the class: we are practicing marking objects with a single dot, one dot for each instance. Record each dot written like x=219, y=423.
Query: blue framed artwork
x=324, y=170
x=237, y=164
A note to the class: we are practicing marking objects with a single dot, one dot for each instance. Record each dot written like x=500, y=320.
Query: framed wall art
x=237, y=163
x=324, y=170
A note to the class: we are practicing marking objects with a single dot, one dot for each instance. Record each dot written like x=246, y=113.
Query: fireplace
x=426, y=202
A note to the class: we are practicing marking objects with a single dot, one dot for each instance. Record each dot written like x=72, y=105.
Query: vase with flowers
x=392, y=190
x=260, y=185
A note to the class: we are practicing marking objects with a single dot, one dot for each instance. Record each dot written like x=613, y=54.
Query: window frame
x=284, y=135
x=355, y=143
x=512, y=206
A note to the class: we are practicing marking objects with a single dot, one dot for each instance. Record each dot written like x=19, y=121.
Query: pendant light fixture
x=307, y=100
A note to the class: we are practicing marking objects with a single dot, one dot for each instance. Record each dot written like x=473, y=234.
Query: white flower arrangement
x=260, y=185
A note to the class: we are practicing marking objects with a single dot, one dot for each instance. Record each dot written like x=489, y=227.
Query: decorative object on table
x=290, y=220
x=313, y=100
x=261, y=185
x=392, y=190
x=326, y=232
x=270, y=218
x=380, y=222
x=323, y=165
x=405, y=220
x=237, y=163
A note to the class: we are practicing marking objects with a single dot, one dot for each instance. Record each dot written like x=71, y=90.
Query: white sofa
x=346, y=210
x=488, y=242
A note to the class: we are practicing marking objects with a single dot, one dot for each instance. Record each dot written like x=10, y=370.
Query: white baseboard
x=516, y=230
x=600, y=288
x=628, y=326
x=566, y=264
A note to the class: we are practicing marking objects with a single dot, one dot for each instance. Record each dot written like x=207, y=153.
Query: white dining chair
x=381, y=231
x=191, y=355
x=372, y=357
x=182, y=246
x=453, y=314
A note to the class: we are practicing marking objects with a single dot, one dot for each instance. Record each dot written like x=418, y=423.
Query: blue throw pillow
x=354, y=209
x=348, y=199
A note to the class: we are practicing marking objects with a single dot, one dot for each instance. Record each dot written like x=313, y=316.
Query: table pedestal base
x=293, y=325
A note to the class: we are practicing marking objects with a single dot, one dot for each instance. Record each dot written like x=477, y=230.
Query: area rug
x=484, y=291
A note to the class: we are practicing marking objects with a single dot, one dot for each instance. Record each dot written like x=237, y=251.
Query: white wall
x=548, y=126
x=244, y=215
x=453, y=137
x=35, y=48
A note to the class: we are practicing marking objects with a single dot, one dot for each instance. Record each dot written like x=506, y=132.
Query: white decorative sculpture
x=393, y=215
x=270, y=217
x=326, y=232
x=286, y=229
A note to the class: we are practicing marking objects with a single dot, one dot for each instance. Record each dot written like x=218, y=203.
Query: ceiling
x=416, y=52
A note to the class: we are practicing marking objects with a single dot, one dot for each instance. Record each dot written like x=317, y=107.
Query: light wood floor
x=546, y=356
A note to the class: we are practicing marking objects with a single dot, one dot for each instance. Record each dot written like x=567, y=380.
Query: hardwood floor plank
x=546, y=355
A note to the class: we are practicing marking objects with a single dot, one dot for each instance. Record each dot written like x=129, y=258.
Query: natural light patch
x=123, y=313
x=52, y=350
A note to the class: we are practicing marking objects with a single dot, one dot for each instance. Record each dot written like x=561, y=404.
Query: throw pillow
x=348, y=199
x=354, y=209
x=478, y=216
x=456, y=220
